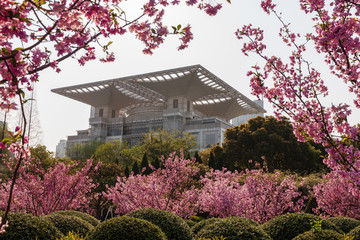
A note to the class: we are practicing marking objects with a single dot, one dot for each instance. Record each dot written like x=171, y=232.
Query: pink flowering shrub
x=41, y=193
x=337, y=196
x=165, y=189
x=260, y=197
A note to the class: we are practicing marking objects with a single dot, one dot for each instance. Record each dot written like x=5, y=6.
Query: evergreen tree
x=197, y=157
x=212, y=161
x=135, y=168
x=188, y=156
x=127, y=172
x=156, y=163
x=145, y=164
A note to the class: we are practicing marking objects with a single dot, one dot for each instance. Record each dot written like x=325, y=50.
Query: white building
x=190, y=99
x=244, y=118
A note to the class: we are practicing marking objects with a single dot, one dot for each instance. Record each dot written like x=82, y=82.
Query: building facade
x=189, y=99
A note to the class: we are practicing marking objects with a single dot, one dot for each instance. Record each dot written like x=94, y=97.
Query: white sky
x=214, y=46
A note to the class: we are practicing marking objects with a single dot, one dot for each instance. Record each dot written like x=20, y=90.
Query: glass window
x=113, y=114
x=175, y=103
x=188, y=106
x=101, y=112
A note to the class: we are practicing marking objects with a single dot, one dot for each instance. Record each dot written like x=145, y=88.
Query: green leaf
x=153, y=31
x=178, y=27
x=6, y=140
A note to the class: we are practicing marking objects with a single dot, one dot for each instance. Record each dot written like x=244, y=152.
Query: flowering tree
x=260, y=197
x=295, y=88
x=39, y=34
x=337, y=196
x=40, y=193
x=166, y=189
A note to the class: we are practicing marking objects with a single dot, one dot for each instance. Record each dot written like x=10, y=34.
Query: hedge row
x=156, y=224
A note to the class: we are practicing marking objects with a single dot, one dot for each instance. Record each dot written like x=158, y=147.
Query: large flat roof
x=210, y=95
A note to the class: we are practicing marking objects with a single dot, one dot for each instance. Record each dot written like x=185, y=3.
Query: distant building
x=60, y=149
x=190, y=99
x=244, y=118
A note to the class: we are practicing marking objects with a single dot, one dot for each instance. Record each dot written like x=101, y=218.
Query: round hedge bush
x=355, y=233
x=23, y=226
x=67, y=223
x=233, y=228
x=126, y=228
x=174, y=227
x=190, y=223
x=346, y=224
x=290, y=225
x=320, y=235
x=90, y=219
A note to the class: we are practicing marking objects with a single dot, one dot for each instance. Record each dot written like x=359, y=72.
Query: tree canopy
x=267, y=139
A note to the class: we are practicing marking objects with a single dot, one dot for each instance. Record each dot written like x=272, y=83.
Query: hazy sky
x=214, y=46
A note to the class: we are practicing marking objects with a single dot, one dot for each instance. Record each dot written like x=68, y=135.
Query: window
x=113, y=114
x=188, y=106
x=210, y=139
x=101, y=112
x=175, y=103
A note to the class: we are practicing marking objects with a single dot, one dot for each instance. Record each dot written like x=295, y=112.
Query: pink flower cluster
x=41, y=193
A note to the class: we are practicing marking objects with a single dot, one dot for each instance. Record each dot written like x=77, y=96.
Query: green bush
x=346, y=224
x=290, y=225
x=126, y=228
x=90, y=219
x=172, y=225
x=72, y=236
x=320, y=235
x=355, y=233
x=233, y=228
x=69, y=223
x=23, y=226
x=200, y=225
x=190, y=223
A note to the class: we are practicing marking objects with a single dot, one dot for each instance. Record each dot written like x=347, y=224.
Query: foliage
x=72, y=236
x=23, y=226
x=290, y=225
x=163, y=189
x=190, y=223
x=261, y=197
x=82, y=151
x=202, y=224
x=233, y=228
x=106, y=175
x=268, y=139
x=172, y=225
x=88, y=218
x=144, y=166
x=355, y=233
x=164, y=142
x=128, y=228
x=67, y=223
x=46, y=158
x=212, y=238
x=212, y=163
x=320, y=235
x=346, y=224
x=337, y=196
x=135, y=169
x=54, y=190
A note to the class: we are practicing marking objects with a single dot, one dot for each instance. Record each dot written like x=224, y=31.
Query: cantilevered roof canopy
x=209, y=94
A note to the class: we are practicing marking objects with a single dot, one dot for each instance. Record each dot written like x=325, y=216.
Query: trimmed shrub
x=90, y=219
x=320, y=235
x=174, y=227
x=190, y=223
x=72, y=236
x=126, y=228
x=24, y=226
x=355, y=233
x=233, y=228
x=202, y=224
x=69, y=223
x=346, y=224
x=290, y=225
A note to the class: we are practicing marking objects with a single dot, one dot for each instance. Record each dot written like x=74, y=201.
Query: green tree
x=212, y=161
x=163, y=142
x=135, y=168
x=197, y=157
x=145, y=164
x=106, y=175
x=83, y=151
x=270, y=140
x=127, y=171
x=41, y=153
x=156, y=163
